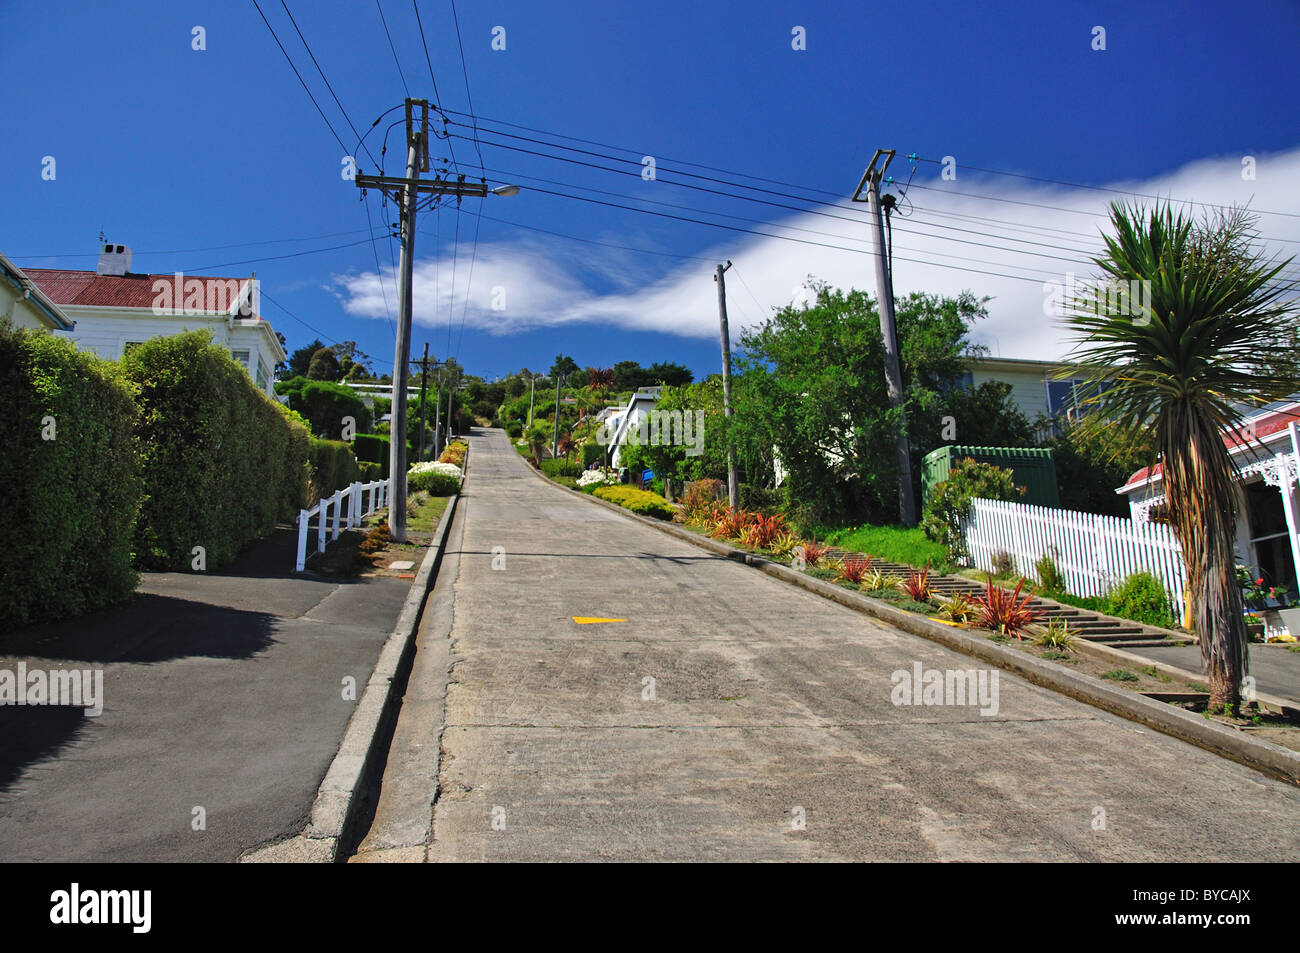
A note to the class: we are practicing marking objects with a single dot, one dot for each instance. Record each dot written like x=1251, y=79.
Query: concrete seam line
x=1263, y=756
x=336, y=801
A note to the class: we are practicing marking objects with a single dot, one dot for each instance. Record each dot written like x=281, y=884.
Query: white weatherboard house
x=24, y=305
x=618, y=421
x=115, y=309
x=1269, y=508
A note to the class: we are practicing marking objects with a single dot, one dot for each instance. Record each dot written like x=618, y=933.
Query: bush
x=221, y=461
x=759, y=499
x=950, y=502
x=1142, y=598
x=562, y=467
x=333, y=467
x=592, y=453
x=1049, y=575
x=325, y=404
x=70, y=502
x=638, y=501
x=369, y=472
x=514, y=429
x=373, y=448
x=437, y=479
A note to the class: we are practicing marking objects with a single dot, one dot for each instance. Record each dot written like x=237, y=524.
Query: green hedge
x=333, y=467
x=325, y=404
x=592, y=453
x=222, y=462
x=71, y=501
x=373, y=448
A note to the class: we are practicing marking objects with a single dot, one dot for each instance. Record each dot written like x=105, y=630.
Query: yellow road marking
x=588, y=620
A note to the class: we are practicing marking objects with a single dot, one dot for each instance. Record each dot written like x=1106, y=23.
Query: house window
x=241, y=357
x=261, y=375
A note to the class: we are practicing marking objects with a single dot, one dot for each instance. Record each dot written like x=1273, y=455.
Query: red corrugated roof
x=1266, y=426
x=114, y=291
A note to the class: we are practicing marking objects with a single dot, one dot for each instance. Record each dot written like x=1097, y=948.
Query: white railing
x=348, y=509
x=1092, y=552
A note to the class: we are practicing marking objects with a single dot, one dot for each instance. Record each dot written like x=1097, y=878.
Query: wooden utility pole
x=871, y=180
x=733, y=490
x=424, y=378
x=437, y=416
x=555, y=444
x=406, y=192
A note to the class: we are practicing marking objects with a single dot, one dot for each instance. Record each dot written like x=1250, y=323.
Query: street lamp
x=505, y=190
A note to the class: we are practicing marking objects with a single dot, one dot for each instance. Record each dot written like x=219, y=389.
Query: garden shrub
x=1050, y=576
x=950, y=502
x=221, y=461
x=592, y=453
x=638, y=501
x=324, y=404
x=1142, y=598
x=562, y=467
x=437, y=479
x=71, y=501
x=333, y=467
x=760, y=499
x=514, y=429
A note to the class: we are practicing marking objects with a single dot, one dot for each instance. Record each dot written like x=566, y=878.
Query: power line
x=183, y=251
x=300, y=79
x=379, y=272
x=592, y=241
x=464, y=68
x=429, y=60
x=812, y=231
x=328, y=86
x=300, y=254
x=393, y=48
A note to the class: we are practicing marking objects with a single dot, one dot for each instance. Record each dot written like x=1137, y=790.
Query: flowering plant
x=598, y=477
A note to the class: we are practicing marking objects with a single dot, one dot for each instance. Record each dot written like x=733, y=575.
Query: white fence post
x=338, y=513
x=322, y=510
x=301, y=562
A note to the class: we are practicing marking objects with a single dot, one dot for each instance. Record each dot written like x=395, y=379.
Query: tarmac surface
x=223, y=692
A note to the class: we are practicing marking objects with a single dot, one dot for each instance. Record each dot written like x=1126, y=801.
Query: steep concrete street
x=734, y=717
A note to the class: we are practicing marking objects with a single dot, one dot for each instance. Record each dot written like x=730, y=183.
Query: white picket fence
x=347, y=507
x=1092, y=552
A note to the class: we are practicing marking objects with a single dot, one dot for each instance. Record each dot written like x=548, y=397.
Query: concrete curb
x=1263, y=756
x=331, y=829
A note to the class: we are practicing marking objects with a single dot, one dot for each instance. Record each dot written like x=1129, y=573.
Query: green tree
x=300, y=360
x=812, y=383
x=1214, y=338
x=949, y=503
x=324, y=366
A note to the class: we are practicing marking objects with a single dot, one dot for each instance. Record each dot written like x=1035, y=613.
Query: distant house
x=1268, y=527
x=24, y=305
x=115, y=309
x=617, y=422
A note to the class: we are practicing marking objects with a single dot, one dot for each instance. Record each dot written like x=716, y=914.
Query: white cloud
x=543, y=282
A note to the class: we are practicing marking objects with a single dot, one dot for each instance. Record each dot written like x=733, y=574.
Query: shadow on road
x=32, y=734
x=150, y=628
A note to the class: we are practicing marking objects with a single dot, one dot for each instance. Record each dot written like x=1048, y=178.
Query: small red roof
x=1266, y=426
x=113, y=291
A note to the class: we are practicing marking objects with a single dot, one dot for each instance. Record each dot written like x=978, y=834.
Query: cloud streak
x=1004, y=244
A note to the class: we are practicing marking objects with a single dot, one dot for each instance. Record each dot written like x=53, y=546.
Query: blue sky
x=167, y=148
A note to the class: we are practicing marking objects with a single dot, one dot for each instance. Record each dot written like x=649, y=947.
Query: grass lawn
x=891, y=543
